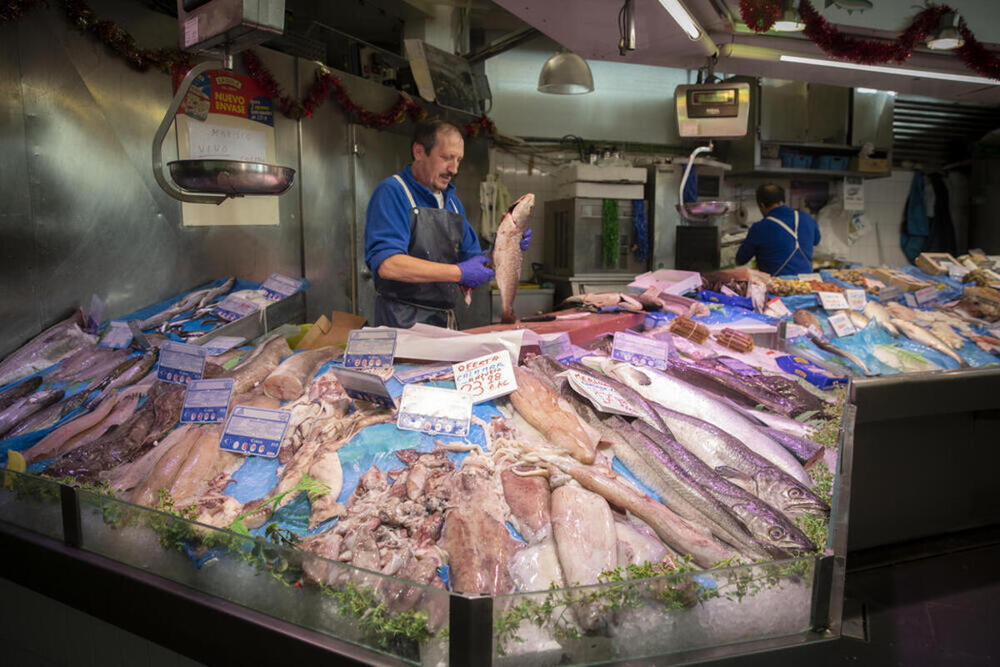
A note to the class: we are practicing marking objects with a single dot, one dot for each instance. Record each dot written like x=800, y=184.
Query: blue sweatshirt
x=772, y=245
x=387, y=222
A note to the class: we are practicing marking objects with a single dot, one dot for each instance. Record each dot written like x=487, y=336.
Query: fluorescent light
x=866, y=91
x=684, y=20
x=788, y=26
x=901, y=71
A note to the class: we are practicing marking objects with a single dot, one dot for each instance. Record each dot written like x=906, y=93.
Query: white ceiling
x=590, y=28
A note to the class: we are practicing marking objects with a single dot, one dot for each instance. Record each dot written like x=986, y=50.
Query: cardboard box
x=936, y=263
x=904, y=281
x=872, y=164
x=332, y=331
x=595, y=174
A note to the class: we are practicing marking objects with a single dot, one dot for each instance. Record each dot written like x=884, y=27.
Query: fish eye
x=775, y=533
x=795, y=492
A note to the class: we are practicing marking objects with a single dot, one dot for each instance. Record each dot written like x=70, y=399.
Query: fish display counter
x=573, y=515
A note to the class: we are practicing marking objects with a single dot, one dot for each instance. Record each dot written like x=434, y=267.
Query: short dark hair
x=426, y=133
x=770, y=194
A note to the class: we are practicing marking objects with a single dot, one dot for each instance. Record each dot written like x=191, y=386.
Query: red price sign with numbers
x=485, y=377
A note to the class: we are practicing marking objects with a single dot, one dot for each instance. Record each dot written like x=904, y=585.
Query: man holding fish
x=419, y=244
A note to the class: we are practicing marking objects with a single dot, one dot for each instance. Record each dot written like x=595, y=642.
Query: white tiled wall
x=885, y=199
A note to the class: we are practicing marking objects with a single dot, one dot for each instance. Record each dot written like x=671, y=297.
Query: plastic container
x=832, y=162
x=788, y=159
x=803, y=162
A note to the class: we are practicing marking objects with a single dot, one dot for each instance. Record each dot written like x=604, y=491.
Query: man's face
x=436, y=168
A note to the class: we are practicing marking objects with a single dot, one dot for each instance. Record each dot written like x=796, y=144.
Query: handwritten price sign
x=604, y=397
x=485, y=377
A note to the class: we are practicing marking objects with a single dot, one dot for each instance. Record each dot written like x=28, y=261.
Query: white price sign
x=604, y=397
x=842, y=325
x=855, y=298
x=832, y=300
x=926, y=295
x=485, y=377
x=777, y=308
x=811, y=276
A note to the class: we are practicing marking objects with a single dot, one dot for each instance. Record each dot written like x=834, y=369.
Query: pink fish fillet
x=507, y=255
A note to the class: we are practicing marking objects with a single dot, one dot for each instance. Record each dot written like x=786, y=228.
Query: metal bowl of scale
x=707, y=207
x=231, y=177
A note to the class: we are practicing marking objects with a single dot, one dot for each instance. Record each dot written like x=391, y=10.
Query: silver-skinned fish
x=917, y=333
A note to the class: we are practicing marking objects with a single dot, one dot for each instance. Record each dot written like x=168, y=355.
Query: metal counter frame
x=926, y=451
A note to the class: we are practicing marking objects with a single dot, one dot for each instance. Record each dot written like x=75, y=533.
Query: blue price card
x=887, y=293
x=233, y=308
x=278, y=286
x=256, y=431
x=434, y=410
x=421, y=373
x=221, y=344
x=207, y=401
x=370, y=348
x=364, y=386
x=640, y=350
x=118, y=335
x=180, y=363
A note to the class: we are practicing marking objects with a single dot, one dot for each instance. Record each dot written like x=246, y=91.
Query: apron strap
x=406, y=189
x=454, y=206
x=794, y=234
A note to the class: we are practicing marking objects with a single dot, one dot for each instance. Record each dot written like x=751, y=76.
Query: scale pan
x=708, y=207
x=231, y=177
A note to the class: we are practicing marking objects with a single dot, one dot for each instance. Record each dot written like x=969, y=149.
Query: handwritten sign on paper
x=485, y=377
x=604, y=397
x=220, y=142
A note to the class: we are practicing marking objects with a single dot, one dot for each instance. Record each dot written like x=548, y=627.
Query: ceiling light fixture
x=566, y=73
x=789, y=20
x=946, y=37
x=680, y=14
x=900, y=71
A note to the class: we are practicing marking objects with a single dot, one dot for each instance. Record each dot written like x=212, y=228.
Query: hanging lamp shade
x=946, y=36
x=566, y=73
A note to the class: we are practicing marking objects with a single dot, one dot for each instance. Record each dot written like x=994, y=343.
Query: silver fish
x=507, y=255
x=48, y=416
x=877, y=312
x=924, y=337
x=679, y=395
x=770, y=529
x=47, y=348
x=193, y=300
x=11, y=394
x=856, y=318
x=827, y=346
x=26, y=407
x=777, y=422
x=736, y=462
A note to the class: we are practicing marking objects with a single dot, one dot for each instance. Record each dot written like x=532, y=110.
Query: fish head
x=774, y=532
x=626, y=373
x=521, y=210
x=787, y=495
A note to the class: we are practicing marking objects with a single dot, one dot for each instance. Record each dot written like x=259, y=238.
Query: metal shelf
x=791, y=171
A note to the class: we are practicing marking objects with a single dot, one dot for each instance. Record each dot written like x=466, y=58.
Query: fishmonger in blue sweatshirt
x=783, y=241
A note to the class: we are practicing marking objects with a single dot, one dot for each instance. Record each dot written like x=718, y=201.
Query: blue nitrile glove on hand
x=475, y=272
x=526, y=239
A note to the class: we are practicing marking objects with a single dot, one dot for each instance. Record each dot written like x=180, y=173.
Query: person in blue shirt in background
x=783, y=241
x=419, y=244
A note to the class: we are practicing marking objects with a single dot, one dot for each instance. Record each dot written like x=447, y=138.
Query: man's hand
x=475, y=272
x=526, y=239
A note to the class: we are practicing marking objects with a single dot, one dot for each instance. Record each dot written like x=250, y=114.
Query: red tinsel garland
x=869, y=51
x=760, y=15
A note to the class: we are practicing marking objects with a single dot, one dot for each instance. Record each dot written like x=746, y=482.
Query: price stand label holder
x=434, y=410
x=640, y=350
x=255, y=431
x=207, y=401
x=363, y=386
x=180, y=363
x=370, y=348
x=278, y=286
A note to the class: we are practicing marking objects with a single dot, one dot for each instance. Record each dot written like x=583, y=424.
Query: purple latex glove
x=526, y=239
x=475, y=272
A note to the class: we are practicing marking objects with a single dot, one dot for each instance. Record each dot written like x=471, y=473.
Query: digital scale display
x=718, y=103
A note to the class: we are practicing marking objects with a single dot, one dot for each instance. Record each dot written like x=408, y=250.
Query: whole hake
x=12, y=394
x=736, y=462
x=507, y=255
x=683, y=397
x=25, y=407
x=47, y=348
x=917, y=333
x=193, y=300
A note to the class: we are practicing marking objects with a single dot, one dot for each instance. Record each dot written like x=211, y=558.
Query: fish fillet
x=126, y=477
x=553, y=416
x=288, y=381
x=325, y=468
x=165, y=471
x=259, y=363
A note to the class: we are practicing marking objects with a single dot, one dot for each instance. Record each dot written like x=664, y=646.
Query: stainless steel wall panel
x=84, y=214
x=327, y=204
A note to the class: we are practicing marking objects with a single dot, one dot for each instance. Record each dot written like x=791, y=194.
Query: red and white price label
x=926, y=295
x=485, y=377
x=604, y=397
x=777, y=308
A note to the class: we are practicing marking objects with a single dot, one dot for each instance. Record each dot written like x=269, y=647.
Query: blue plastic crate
x=832, y=162
x=803, y=161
